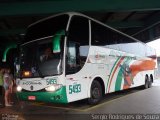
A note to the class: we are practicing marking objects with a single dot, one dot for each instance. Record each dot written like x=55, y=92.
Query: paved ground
x=135, y=103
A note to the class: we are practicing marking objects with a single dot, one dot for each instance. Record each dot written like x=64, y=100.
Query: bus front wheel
x=95, y=93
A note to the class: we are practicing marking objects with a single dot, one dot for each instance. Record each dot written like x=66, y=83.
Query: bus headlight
x=19, y=88
x=53, y=88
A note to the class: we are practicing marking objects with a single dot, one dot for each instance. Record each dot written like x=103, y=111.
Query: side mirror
x=7, y=50
x=56, y=42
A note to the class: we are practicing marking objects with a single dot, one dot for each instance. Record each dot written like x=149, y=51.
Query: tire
x=150, y=83
x=95, y=92
x=146, y=85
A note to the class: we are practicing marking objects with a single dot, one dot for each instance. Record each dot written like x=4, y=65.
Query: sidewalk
x=156, y=82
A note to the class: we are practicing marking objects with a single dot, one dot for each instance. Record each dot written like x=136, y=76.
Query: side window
x=79, y=30
x=71, y=55
x=99, y=34
x=73, y=61
x=106, y=37
x=78, y=44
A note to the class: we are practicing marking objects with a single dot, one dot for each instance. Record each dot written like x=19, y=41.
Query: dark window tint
x=47, y=28
x=37, y=58
x=79, y=30
x=106, y=37
x=78, y=44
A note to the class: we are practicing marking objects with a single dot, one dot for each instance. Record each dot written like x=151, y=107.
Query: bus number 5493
x=74, y=88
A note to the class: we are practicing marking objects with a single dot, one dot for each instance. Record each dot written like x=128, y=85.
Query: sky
x=155, y=44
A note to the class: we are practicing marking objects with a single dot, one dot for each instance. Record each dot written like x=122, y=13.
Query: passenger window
x=73, y=59
x=77, y=44
x=106, y=37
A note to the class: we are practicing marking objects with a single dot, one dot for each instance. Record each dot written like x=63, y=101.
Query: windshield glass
x=42, y=51
x=47, y=27
x=38, y=60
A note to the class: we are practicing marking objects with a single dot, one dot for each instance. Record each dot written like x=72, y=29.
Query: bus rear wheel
x=147, y=82
x=150, y=82
x=96, y=93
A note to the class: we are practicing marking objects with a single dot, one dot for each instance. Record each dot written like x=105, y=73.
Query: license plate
x=31, y=97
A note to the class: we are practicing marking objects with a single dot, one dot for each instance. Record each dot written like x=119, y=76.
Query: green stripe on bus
x=119, y=80
x=120, y=75
x=113, y=70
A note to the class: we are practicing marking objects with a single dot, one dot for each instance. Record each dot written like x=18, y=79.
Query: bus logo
x=32, y=83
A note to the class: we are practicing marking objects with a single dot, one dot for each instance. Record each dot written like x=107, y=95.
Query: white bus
x=70, y=56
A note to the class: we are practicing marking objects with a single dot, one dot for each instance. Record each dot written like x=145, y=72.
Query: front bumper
x=58, y=96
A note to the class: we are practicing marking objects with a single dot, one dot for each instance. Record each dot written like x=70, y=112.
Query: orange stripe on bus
x=142, y=65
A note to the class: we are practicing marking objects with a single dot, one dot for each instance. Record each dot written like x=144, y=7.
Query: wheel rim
x=95, y=93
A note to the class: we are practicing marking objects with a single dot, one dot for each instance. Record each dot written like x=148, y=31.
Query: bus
x=70, y=56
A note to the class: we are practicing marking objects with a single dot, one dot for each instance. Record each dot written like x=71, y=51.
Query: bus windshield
x=42, y=51
x=46, y=27
x=37, y=59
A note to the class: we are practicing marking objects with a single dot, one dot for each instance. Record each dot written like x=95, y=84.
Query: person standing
x=11, y=79
x=7, y=83
x=1, y=88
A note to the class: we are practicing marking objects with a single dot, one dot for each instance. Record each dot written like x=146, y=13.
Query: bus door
x=76, y=55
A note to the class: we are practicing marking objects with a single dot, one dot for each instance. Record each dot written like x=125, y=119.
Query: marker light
x=53, y=88
x=26, y=73
x=19, y=88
